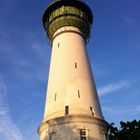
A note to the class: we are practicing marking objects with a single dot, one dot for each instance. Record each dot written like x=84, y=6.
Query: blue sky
x=114, y=52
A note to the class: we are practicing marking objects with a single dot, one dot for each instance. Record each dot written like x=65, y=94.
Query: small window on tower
x=58, y=45
x=78, y=94
x=83, y=134
x=66, y=110
x=55, y=96
x=92, y=112
x=75, y=65
x=52, y=136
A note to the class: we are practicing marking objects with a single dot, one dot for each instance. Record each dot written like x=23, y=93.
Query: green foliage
x=128, y=131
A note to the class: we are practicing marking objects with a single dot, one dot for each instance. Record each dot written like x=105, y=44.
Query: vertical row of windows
x=83, y=132
x=55, y=96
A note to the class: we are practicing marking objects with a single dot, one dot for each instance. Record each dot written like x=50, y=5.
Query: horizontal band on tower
x=72, y=119
x=67, y=29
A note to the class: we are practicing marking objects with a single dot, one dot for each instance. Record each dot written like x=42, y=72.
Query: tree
x=128, y=131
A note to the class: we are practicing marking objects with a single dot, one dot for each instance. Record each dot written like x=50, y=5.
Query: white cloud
x=122, y=110
x=112, y=87
x=8, y=129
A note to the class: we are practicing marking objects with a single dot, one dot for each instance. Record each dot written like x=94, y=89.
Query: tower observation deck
x=72, y=109
x=67, y=13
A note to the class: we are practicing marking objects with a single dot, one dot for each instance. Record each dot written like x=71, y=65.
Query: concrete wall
x=68, y=128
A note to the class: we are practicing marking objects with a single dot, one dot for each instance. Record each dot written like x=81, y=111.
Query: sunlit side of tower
x=72, y=110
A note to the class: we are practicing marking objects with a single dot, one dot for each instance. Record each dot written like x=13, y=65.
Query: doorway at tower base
x=73, y=127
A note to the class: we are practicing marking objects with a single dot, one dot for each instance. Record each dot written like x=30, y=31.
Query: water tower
x=72, y=110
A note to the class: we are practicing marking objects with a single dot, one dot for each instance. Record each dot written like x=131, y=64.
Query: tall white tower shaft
x=71, y=88
x=72, y=110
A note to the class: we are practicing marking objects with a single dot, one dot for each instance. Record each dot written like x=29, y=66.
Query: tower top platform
x=62, y=13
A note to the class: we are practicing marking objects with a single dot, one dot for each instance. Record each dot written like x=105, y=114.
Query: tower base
x=73, y=127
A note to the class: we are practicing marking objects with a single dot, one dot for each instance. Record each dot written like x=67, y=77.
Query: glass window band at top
x=67, y=10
